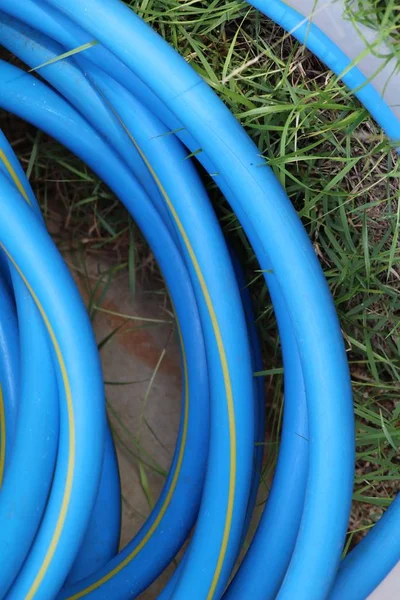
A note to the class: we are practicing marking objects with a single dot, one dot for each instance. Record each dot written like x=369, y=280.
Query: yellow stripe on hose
x=2, y=436
x=183, y=441
x=224, y=365
x=14, y=176
x=71, y=460
x=71, y=424
x=21, y=189
x=231, y=412
x=71, y=441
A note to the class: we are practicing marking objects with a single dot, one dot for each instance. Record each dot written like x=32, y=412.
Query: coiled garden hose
x=112, y=105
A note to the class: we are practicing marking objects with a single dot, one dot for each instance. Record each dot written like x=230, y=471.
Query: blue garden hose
x=112, y=107
x=107, y=507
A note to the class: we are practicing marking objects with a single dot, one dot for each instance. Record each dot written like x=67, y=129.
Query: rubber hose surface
x=115, y=105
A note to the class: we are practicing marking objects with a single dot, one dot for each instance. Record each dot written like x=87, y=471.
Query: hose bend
x=132, y=110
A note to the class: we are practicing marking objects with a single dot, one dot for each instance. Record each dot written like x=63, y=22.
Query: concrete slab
x=141, y=366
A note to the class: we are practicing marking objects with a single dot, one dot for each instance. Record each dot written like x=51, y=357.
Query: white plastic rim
x=389, y=588
x=353, y=40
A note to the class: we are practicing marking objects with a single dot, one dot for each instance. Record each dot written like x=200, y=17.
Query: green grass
x=341, y=174
x=381, y=15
